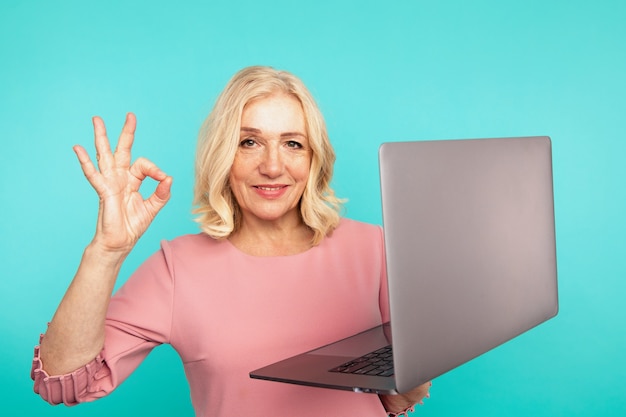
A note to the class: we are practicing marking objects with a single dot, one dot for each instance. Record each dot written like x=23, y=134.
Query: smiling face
x=273, y=160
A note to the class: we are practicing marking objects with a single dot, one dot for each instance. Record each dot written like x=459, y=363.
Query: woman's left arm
x=400, y=404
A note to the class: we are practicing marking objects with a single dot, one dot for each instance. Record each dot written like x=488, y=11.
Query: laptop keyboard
x=378, y=362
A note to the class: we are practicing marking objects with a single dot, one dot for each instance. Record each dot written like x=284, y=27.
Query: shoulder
x=197, y=242
x=194, y=256
x=190, y=241
x=356, y=234
x=349, y=227
x=192, y=246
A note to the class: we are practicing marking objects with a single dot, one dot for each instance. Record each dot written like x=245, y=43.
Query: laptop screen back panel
x=472, y=258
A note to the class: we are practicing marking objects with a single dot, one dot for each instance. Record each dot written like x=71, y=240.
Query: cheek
x=303, y=173
x=302, y=169
x=239, y=169
x=236, y=180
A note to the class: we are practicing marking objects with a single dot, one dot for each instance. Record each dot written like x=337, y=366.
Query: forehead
x=275, y=112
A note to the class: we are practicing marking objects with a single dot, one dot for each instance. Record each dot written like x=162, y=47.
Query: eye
x=247, y=143
x=294, y=144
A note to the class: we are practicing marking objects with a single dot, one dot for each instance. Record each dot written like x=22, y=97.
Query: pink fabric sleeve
x=138, y=319
x=72, y=388
x=384, y=291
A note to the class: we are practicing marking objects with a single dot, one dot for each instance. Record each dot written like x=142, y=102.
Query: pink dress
x=227, y=313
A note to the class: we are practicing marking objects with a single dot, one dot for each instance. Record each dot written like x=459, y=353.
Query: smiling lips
x=270, y=191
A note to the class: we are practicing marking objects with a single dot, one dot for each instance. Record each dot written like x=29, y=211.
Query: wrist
x=105, y=254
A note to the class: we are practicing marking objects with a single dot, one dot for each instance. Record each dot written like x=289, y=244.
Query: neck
x=272, y=238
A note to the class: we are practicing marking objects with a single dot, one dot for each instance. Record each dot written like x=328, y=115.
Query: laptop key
x=366, y=369
x=379, y=362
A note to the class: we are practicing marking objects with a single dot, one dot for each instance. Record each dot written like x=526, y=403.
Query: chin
x=275, y=215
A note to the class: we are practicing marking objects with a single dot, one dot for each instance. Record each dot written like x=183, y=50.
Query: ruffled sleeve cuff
x=84, y=384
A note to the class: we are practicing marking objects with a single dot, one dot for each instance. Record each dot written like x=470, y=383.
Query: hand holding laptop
x=401, y=402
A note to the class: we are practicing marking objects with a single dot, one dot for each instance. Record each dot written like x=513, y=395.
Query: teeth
x=269, y=188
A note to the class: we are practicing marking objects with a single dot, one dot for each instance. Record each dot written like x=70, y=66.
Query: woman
x=274, y=266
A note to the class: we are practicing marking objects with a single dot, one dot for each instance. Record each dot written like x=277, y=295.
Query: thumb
x=160, y=196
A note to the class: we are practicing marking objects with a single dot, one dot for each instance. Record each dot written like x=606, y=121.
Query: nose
x=272, y=163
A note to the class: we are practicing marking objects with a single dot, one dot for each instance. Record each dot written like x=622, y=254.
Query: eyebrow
x=282, y=135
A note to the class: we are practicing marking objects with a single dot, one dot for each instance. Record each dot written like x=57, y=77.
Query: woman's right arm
x=75, y=335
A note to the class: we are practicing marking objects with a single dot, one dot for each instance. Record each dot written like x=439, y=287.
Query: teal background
x=381, y=70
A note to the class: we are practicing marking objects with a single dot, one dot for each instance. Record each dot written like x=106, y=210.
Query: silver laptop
x=471, y=263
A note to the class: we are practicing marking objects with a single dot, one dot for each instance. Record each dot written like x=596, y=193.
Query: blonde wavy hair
x=217, y=210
